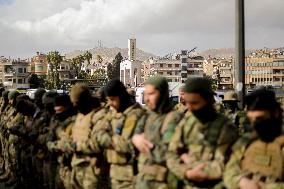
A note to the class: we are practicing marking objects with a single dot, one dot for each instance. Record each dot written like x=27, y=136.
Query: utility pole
x=240, y=51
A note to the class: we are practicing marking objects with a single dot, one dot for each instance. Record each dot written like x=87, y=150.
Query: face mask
x=205, y=114
x=268, y=129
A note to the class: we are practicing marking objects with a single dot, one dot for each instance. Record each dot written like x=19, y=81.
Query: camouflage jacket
x=236, y=169
x=158, y=129
x=203, y=143
x=180, y=107
x=116, y=135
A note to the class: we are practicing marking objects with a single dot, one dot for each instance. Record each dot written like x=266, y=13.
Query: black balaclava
x=161, y=84
x=38, y=97
x=48, y=101
x=116, y=88
x=26, y=107
x=64, y=100
x=203, y=87
x=263, y=99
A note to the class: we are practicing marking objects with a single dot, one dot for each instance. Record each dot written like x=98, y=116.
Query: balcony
x=226, y=75
x=8, y=83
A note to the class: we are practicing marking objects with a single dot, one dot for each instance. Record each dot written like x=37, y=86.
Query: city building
x=38, y=65
x=174, y=68
x=131, y=69
x=13, y=73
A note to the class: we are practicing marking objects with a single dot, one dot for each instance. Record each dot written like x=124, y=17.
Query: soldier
x=39, y=135
x=257, y=160
x=10, y=151
x=59, y=132
x=233, y=112
x=181, y=107
x=116, y=134
x=153, y=134
x=28, y=109
x=87, y=172
x=200, y=144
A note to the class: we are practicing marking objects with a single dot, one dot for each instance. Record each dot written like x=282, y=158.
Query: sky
x=160, y=26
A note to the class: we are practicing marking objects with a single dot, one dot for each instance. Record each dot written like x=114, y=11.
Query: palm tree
x=88, y=56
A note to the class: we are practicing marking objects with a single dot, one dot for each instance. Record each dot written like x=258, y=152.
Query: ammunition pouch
x=121, y=172
x=157, y=171
x=116, y=158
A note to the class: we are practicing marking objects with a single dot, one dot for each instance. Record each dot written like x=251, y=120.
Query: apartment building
x=38, y=65
x=264, y=71
x=171, y=68
x=13, y=73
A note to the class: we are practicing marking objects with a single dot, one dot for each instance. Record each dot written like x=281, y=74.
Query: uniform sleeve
x=122, y=143
x=99, y=138
x=228, y=136
x=173, y=156
x=141, y=124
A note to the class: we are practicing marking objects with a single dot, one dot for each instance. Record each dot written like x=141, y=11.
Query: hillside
x=222, y=52
x=108, y=54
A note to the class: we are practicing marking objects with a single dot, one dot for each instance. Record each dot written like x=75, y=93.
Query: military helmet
x=230, y=96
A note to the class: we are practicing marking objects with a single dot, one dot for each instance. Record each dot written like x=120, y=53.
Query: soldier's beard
x=205, y=114
x=268, y=129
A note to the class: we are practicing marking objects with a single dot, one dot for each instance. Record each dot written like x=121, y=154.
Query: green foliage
x=54, y=59
x=113, y=69
x=88, y=56
x=99, y=59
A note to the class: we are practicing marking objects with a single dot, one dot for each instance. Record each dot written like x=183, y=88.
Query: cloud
x=161, y=26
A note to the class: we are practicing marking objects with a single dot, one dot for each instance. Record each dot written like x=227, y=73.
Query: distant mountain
x=108, y=54
x=221, y=53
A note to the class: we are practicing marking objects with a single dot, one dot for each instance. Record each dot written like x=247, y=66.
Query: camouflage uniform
x=180, y=107
x=115, y=138
x=203, y=143
x=158, y=129
x=61, y=134
x=157, y=126
x=245, y=162
x=202, y=137
x=258, y=156
x=87, y=167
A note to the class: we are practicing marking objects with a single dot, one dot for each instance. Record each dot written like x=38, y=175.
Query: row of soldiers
x=83, y=141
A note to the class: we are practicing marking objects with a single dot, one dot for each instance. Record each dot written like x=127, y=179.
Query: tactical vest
x=202, y=145
x=82, y=127
x=80, y=133
x=156, y=170
x=124, y=125
x=264, y=161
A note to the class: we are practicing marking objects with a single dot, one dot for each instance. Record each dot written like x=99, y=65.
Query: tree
x=113, y=69
x=76, y=64
x=88, y=56
x=99, y=59
x=54, y=59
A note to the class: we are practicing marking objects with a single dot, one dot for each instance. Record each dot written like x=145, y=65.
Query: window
x=14, y=80
x=169, y=65
x=25, y=70
x=169, y=80
x=169, y=73
x=20, y=81
x=183, y=60
x=160, y=73
x=161, y=65
x=20, y=70
x=176, y=65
